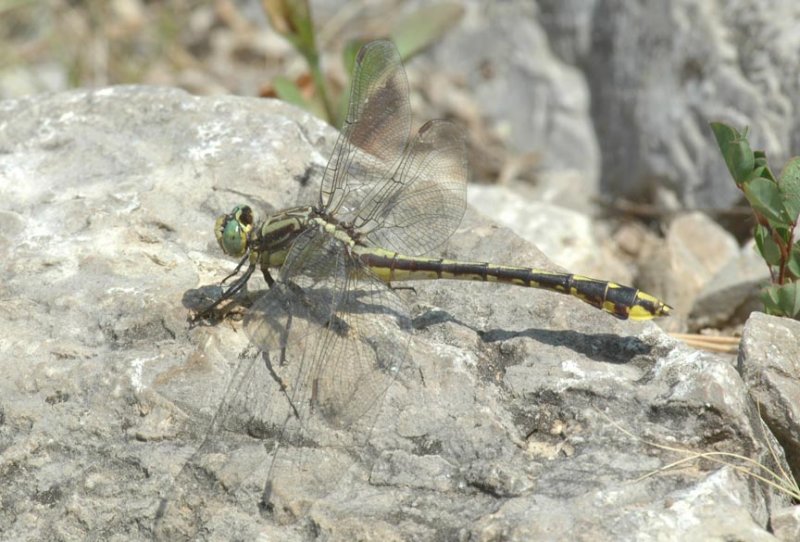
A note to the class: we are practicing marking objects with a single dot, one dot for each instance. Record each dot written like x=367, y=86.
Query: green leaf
x=790, y=188
x=350, y=52
x=785, y=234
x=762, y=167
x=287, y=91
x=759, y=171
x=735, y=150
x=769, y=297
x=767, y=247
x=766, y=199
x=783, y=300
x=424, y=26
x=292, y=19
x=794, y=261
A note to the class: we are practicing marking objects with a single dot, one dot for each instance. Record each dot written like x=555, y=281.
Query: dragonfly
x=336, y=332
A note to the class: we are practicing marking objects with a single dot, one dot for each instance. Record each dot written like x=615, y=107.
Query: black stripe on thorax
x=278, y=239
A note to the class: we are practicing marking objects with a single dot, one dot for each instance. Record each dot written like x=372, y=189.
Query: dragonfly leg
x=231, y=291
x=267, y=276
x=397, y=288
x=312, y=401
x=237, y=269
x=266, y=505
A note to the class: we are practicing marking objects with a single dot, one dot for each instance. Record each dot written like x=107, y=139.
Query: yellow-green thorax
x=267, y=244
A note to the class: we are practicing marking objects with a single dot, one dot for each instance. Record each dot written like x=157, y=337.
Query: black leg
x=396, y=288
x=238, y=267
x=231, y=291
x=267, y=276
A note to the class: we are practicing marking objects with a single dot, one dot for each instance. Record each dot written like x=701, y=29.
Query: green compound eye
x=232, y=230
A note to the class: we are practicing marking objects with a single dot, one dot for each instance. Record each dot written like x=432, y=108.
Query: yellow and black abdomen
x=621, y=301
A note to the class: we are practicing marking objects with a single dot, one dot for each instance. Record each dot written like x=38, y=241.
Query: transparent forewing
x=251, y=397
x=341, y=333
x=421, y=205
x=288, y=325
x=338, y=343
x=375, y=132
x=364, y=347
x=331, y=339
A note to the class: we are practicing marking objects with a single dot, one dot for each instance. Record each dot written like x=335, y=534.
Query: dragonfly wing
x=346, y=337
x=408, y=197
x=423, y=203
x=211, y=479
x=324, y=318
x=332, y=338
x=291, y=319
x=375, y=132
x=361, y=350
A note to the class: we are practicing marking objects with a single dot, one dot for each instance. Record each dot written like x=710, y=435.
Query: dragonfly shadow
x=604, y=347
x=202, y=304
x=197, y=299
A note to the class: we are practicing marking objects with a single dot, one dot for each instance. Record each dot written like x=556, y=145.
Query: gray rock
x=694, y=250
x=506, y=422
x=570, y=239
x=624, y=92
x=786, y=523
x=733, y=293
x=660, y=72
x=769, y=361
x=535, y=101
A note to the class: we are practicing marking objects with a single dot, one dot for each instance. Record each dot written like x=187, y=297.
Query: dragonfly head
x=233, y=230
